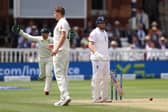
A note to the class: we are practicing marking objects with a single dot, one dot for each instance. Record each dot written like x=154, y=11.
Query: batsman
x=98, y=44
x=45, y=59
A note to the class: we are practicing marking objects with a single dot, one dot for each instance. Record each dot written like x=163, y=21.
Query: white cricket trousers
x=61, y=63
x=45, y=66
x=100, y=80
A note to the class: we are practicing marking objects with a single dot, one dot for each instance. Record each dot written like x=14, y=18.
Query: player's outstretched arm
x=17, y=29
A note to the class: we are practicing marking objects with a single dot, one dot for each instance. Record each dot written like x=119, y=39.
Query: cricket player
x=60, y=55
x=98, y=44
x=45, y=58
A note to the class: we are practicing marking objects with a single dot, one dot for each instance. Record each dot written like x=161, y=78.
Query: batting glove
x=98, y=56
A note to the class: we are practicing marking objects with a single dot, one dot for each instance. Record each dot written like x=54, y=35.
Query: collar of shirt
x=99, y=29
x=45, y=39
x=61, y=18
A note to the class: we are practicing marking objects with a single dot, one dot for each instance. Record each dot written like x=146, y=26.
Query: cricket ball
x=151, y=99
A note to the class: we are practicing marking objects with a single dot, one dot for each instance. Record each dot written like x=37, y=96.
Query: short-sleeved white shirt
x=62, y=25
x=100, y=39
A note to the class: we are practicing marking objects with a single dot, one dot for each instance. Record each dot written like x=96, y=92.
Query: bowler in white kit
x=60, y=55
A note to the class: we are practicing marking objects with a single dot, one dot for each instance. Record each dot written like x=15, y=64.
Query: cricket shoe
x=107, y=101
x=58, y=103
x=66, y=101
x=98, y=101
x=63, y=102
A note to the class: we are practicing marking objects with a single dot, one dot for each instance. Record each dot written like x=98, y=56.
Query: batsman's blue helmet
x=44, y=30
x=100, y=19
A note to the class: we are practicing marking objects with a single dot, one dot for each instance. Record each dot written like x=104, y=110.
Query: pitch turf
x=33, y=100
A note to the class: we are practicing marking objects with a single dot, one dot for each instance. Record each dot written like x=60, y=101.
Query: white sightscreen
x=44, y=8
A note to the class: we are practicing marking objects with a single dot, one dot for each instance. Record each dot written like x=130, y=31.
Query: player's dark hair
x=60, y=9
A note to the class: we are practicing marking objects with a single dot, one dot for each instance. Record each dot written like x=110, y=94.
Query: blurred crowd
x=146, y=34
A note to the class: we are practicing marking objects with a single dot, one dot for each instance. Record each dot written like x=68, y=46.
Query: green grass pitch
x=34, y=100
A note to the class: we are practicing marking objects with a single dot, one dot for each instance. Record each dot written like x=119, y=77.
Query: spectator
x=162, y=43
x=113, y=45
x=88, y=28
x=75, y=40
x=34, y=32
x=141, y=34
x=142, y=18
x=128, y=33
x=114, y=54
x=117, y=40
x=148, y=42
x=132, y=56
x=84, y=43
x=150, y=47
x=29, y=27
x=135, y=42
x=155, y=33
x=23, y=43
x=131, y=47
x=109, y=31
x=117, y=32
x=83, y=54
x=34, y=45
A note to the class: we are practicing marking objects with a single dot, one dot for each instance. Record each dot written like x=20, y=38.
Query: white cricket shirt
x=100, y=39
x=62, y=25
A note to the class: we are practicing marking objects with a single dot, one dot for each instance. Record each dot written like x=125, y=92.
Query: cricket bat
x=116, y=85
